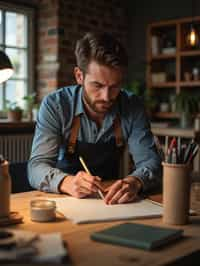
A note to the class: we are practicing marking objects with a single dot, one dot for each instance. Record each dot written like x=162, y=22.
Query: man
x=94, y=119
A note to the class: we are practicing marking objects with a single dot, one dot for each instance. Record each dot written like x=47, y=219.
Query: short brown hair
x=102, y=48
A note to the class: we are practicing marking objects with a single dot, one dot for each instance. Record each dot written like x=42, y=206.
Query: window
x=16, y=35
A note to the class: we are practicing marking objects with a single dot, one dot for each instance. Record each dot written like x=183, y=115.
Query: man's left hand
x=123, y=190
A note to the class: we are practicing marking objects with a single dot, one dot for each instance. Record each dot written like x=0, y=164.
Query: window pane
x=15, y=91
x=1, y=28
x=16, y=28
x=18, y=58
x=1, y=97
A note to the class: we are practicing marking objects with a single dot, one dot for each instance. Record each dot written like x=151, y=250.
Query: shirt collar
x=79, y=109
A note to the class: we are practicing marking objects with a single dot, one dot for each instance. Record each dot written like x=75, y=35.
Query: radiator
x=16, y=148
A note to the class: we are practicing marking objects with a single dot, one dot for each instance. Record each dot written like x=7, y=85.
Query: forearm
x=143, y=150
x=42, y=171
x=43, y=176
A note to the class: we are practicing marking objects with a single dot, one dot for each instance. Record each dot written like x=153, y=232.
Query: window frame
x=30, y=13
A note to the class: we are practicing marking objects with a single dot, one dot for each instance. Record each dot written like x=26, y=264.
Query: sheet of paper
x=95, y=210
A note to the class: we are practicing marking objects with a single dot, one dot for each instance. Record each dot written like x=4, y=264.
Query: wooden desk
x=84, y=251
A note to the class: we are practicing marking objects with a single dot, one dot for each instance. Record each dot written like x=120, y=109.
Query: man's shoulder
x=67, y=92
x=129, y=100
x=62, y=97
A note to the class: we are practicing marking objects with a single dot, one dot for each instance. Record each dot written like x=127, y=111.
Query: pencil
x=87, y=170
x=154, y=202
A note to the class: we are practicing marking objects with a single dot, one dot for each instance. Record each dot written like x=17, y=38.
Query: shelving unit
x=171, y=61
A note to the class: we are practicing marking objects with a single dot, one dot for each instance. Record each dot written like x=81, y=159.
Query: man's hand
x=80, y=185
x=123, y=190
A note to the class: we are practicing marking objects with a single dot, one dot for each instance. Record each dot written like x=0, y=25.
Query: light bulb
x=192, y=38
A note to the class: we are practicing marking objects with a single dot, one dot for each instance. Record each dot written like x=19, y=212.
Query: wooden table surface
x=84, y=251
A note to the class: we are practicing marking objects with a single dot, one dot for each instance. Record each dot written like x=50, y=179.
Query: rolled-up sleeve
x=42, y=173
x=143, y=150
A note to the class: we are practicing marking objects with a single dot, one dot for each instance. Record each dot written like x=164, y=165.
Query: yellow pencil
x=87, y=170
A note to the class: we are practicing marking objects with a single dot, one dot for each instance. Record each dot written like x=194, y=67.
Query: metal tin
x=43, y=210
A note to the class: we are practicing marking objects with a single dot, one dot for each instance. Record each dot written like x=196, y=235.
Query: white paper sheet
x=95, y=210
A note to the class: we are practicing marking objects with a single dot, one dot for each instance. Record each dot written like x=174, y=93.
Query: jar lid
x=43, y=204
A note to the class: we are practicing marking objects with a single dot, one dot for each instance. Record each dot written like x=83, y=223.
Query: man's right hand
x=80, y=185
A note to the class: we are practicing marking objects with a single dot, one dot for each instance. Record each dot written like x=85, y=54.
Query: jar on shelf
x=155, y=45
x=195, y=73
x=187, y=76
x=164, y=107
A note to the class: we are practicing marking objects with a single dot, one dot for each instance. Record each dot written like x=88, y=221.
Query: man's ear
x=78, y=75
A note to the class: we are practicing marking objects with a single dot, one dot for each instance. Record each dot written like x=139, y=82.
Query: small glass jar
x=42, y=210
x=195, y=73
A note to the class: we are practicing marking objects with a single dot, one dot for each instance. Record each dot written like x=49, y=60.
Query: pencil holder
x=176, y=193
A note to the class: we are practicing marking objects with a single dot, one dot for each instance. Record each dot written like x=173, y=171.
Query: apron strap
x=75, y=129
x=118, y=132
x=74, y=134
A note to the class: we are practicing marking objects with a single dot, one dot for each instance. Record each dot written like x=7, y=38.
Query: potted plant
x=14, y=111
x=186, y=105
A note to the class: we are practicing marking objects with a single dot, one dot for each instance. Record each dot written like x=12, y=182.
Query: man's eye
x=98, y=86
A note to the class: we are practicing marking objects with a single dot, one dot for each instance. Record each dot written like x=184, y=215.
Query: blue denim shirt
x=53, y=128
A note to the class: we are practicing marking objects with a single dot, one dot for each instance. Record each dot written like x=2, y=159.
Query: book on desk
x=137, y=235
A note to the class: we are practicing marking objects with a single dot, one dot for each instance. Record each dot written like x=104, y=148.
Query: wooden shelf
x=166, y=115
x=163, y=85
x=190, y=53
x=163, y=56
x=190, y=83
x=166, y=34
x=16, y=127
x=173, y=131
x=174, y=84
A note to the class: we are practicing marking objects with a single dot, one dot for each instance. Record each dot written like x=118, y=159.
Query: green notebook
x=137, y=235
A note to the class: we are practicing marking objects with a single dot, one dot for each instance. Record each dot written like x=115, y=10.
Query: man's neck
x=96, y=117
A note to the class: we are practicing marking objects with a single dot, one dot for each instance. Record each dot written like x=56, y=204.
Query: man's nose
x=105, y=95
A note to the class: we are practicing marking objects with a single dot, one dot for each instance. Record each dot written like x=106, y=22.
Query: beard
x=99, y=107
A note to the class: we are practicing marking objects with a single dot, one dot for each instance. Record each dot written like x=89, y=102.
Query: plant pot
x=14, y=116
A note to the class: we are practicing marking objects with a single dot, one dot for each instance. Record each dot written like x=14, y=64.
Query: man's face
x=101, y=86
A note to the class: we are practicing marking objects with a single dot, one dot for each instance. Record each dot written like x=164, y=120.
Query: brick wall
x=60, y=24
x=47, y=41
